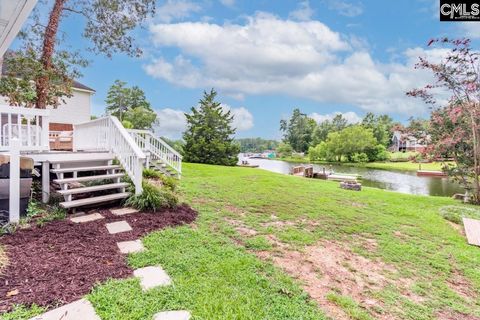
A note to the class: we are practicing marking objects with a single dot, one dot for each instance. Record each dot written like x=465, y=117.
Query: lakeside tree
x=381, y=126
x=455, y=125
x=297, y=131
x=209, y=135
x=351, y=143
x=130, y=106
x=42, y=71
x=322, y=129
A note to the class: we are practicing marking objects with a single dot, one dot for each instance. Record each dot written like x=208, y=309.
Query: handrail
x=28, y=125
x=158, y=148
x=108, y=134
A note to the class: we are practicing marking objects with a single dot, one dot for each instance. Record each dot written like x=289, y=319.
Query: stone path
x=87, y=218
x=79, y=310
x=150, y=277
x=117, y=227
x=123, y=211
x=127, y=247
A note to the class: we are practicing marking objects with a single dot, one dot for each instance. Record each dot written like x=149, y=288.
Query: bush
x=153, y=198
x=360, y=157
x=377, y=153
x=166, y=181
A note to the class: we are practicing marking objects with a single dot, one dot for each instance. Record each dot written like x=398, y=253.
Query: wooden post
x=14, y=192
x=45, y=181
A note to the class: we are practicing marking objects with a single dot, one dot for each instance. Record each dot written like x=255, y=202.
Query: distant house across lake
x=402, y=142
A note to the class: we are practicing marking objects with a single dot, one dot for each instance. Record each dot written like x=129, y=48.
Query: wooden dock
x=429, y=173
x=307, y=172
x=472, y=230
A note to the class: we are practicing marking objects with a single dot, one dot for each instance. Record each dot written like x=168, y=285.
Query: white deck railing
x=28, y=125
x=109, y=134
x=158, y=149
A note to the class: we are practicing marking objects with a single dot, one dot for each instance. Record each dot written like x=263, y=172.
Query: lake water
x=400, y=181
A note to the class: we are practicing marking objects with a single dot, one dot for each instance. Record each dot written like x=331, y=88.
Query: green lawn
x=264, y=243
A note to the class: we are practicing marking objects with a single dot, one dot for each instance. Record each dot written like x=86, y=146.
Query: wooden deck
x=67, y=156
x=472, y=230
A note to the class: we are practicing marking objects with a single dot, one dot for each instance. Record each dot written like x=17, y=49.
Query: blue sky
x=266, y=57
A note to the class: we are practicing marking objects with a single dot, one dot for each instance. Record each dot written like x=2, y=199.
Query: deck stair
x=160, y=156
x=105, y=177
x=159, y=165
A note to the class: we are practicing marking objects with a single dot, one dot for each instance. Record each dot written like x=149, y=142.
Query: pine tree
x=209, y=134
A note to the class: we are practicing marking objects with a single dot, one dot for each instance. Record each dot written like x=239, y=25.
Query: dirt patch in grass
x=463, y=287
x=235, y=210
x=241, y=228
x=454, y=315
x=61, y=261
x=330, y=267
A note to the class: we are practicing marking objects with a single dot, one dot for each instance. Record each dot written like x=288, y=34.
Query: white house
x=93, y=144
x=406, y=142
x=75, y=110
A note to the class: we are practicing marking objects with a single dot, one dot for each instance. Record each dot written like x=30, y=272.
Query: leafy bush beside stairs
x=158, y=192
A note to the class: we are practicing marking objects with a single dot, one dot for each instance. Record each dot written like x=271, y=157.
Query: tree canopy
x=297, y=131
x=455, y=125
x=42, y=70
x=209, y=135
x=130, y=106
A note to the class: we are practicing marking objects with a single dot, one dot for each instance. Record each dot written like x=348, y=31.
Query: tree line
x=337, y=140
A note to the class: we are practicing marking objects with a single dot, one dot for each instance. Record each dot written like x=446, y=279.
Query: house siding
x=75, y=110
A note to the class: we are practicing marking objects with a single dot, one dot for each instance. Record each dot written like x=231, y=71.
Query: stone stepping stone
x=172, y=315
x=87, y=218
x=130, y=246
x=117, y=227
x=79, y=310
x=123, y=211
x=151, y=277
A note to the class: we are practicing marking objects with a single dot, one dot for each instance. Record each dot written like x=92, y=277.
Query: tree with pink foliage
x=455, y=121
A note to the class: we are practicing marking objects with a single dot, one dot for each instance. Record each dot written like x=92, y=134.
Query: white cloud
x=176, y=9
x=268, y=55
x=172, y=123
x=303, y=13
x=228, y=3
x=470, y=30
x=345, y=8
x=242, y=118
x=350, y=116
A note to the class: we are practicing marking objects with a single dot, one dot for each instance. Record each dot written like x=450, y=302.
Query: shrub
x=151, y=174
x=360, y=157
x=153, y=198
x=166, y=181
x=377, y=153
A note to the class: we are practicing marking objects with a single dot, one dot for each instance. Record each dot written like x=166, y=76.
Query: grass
x=213, y=279
x=410, y=232
x=217, y=274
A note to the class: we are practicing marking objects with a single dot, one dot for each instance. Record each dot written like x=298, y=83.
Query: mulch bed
x=61, y=261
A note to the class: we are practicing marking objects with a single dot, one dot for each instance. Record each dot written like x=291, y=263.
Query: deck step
x=89, y=178
x=83, y=169
x=94, y=188
x=93, y=200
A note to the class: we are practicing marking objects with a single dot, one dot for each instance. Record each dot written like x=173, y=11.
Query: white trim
x=14, y=26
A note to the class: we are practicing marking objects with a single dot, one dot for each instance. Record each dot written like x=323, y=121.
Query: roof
x=75, y=85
